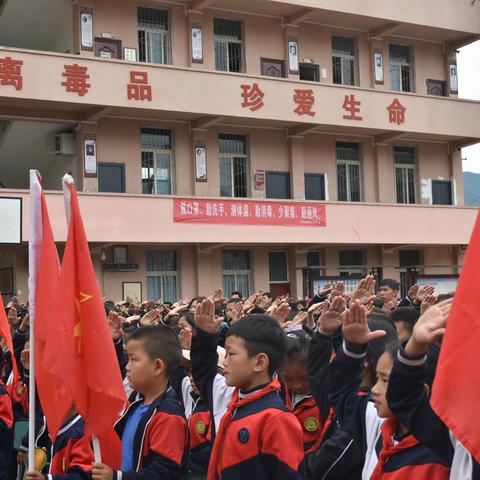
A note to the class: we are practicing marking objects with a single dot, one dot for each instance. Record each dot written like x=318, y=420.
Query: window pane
x=337, y=70
x=221, y=55
x=236, y=260
x=400, y=185
x=400, y=54
x=342, y=182
x=278, y=185
x=404, y=155
x=411, y=185
x=354, y=182
x=232, y=143
x=234, y=57
x=161, y=261
x=405, y=71
x=152, y=18
x=347, y=151
x=410, y=258
x=313, y=259
x=348, y=72
x=169, y=288
x=147, y=172
x=395, y=78
x=227, y=28
x=164, y=177
x=226, y=177
x=240, y=177
x=351, y=257
x=155, y=138
x=314, y=186
x=229, y=284
x=278, y=266
x=242, y=284
x=343, y=45
x=154, y=289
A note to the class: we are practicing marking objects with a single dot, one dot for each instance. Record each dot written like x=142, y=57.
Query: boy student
x=407, y=394
x=391, y=452
x=153, y=429
x=256, y=436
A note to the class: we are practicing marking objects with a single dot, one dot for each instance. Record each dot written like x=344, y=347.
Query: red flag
x=51, y=337
x=7, y=336
x=456, y=389
x=97, y=384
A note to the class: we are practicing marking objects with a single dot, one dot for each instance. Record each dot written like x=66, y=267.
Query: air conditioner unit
x=63, y=144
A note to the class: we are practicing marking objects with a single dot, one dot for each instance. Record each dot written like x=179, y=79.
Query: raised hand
x=115, y=324
x=280, y=313
x=412, y=292
x=427, y=303
x=365, y=291
x=25, y=359
x=25, y=325
x=217, y=296
x=299, y=318
x=185, y=337
x=429, y=327
x=205, y=317
x=326, y=289
x=390, y=305
x=423, y=292
x=151, y=318
x=12, y=317
x=251, y=300
x=337, y=289
x=355, y=327
x=237, y=313
x=331, y=318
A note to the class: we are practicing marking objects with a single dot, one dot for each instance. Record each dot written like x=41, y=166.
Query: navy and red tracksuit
x=71, y=454
x=409, y=402
x=399, y=458
x=6, y=432
x=160, y=441
x=200, y=428
x=263, y=439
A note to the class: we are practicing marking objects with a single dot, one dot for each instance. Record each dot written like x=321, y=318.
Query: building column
x=297, y=167
x=385, y=187
x=204, y=272
x=85, y=184
x=456, y=174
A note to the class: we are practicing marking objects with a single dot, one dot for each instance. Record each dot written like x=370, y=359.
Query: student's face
x=379, y=390
x=266, y=301
x=386, y=293
x=294, y=377
x=238, y=368
x=141, y=368
x=183, y=324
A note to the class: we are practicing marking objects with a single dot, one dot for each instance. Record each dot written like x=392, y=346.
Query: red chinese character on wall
x=396, y=112
x=76, y=79
x=138, y=88
x=11, y=72
x=252, y=97
x=353, y=106
x=304, y=100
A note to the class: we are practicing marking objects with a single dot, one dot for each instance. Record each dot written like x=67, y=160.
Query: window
x=401, y=69
x=228, y=45
x=272, y=68
x=111, y=177
x=348, y=171
x=314, y=258
x=344, y=60
x=278, y=266
x=411, y=265
x=153, y=36
x=349, y=259
x=277, y=184
x=162, y=275
x=156, y=161
x=233, y=165
x=236, y=272
x=314, y=186
x=437, y=87
x=309, y=72
x=405, y=174
x=442, y=192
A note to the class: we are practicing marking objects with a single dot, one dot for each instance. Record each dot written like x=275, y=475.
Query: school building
x=249, y=144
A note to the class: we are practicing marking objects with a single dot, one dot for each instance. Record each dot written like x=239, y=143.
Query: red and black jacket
x=6, y=432
x=160, y=442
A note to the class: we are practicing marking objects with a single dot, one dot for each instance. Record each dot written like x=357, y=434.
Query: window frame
x=234, y=40
x=231, y=157
x=237, y=272
x=406, y=167
x=315, y=175
x=287, y=279
x=150, y=30
x=163, y=273
x=347, y=163
x=411, y=65
x=344, y=56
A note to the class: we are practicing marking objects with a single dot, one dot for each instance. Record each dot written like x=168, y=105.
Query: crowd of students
x=334, y=387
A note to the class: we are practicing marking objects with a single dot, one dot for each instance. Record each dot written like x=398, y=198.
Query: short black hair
x=188, y=317
x=196, y=299
x=409, y=315
x=236, y=293
x=298, y=344
x=262, y=334
x=160, y=342
x=267, y=294
x=390, y=283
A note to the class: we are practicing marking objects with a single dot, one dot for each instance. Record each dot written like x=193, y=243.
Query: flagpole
x=34, y=244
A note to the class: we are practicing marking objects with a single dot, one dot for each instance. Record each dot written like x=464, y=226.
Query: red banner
x=247, y=212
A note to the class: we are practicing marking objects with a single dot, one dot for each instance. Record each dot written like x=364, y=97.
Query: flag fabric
x=456, y=389
x=96, y=381
x=7, y=336
x=50, y=335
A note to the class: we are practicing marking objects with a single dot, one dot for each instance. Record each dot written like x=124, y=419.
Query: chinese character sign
x=252, y=97
x=245, y=212
x=11, y=72
x=138, y=88
x=396, y=112
x=76, y=79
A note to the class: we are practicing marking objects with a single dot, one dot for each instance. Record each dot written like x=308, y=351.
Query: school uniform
x=410, y=404
x=387, y=457
x=154, y=439
x=256, y=436
x=199, y=427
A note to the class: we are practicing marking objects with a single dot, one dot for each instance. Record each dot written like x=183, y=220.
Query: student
x=404, y=319
x=71, y=453
x=391, y=452
x=256, y=436
x=411, y=380
x=6, y=422
x=298, y=396
x=153, y=429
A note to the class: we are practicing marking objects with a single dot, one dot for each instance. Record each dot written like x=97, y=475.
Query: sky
x=468, y=61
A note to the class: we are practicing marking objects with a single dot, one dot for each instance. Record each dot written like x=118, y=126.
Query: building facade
x=255, y=144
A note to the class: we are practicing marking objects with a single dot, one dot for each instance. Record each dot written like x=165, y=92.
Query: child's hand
x=365, y=291
x=337, y=289
x=34, y=476
x=101, y=471
x=237, y=313
x=331, y=318
x=205, y=317
x=25, y=359
x=427, y=303
x=185, y=337
x=429, y=327
x=280, y=313
x=115, y=324
x=423, y=292
x=355, y=327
